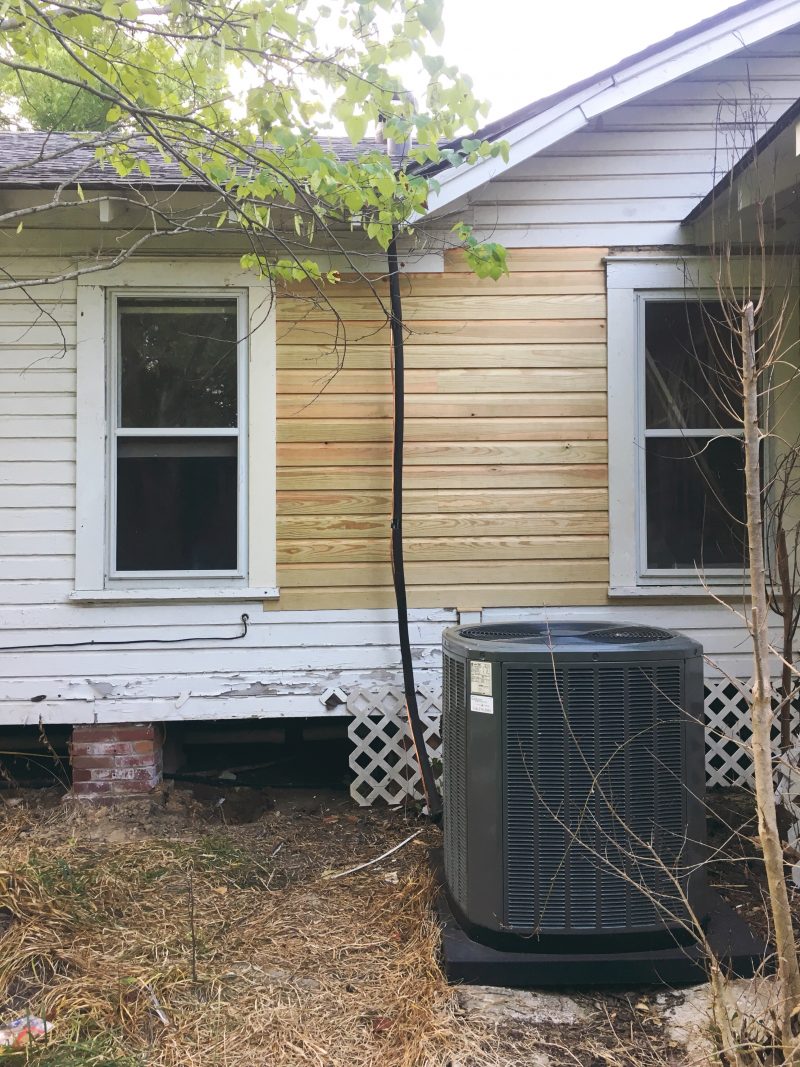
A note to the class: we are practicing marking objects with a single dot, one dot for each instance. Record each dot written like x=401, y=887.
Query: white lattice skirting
x=385, y=766
x=383, y=758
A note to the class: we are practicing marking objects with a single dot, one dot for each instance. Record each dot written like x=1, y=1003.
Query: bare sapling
x=761, y=707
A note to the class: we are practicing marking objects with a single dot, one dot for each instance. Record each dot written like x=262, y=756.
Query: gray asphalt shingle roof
x=30, y=159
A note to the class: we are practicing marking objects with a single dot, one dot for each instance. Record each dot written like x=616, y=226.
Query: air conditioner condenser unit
x=574, y=817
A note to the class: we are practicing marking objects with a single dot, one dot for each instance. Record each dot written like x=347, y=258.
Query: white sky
x=519, y=50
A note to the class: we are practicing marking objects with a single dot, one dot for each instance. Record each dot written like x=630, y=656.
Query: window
x=676, y=481
x=176, y=452
x=692, y=475
x=176, y=435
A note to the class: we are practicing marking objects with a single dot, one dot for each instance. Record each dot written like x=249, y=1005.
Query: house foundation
x=114, y=762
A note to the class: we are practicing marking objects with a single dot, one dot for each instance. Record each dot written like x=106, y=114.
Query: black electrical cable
x=131, y=641
x=398, y=566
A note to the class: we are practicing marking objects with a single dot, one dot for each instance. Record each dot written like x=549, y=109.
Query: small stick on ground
x=192, y=932
x=371, y=863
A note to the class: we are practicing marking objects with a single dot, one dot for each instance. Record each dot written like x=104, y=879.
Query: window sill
x=129, y=595
x=676, y=591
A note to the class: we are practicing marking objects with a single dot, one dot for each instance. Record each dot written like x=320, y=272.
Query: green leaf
x=429, y=14
x=80, y=192
x=356, y=127
x=487, y=260
x=114, y=114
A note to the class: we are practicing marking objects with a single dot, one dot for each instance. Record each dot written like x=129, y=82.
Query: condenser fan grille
x=628, y=635
x=542, y=633
x=594, y=801
x=503, y=632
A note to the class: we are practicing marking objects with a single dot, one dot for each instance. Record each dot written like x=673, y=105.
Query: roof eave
x=626, y=83
x=728, y=180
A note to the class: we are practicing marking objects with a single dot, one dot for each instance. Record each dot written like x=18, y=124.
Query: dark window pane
x=691, y=380
x=176, y=504
x=695, y=502
x=177, y=363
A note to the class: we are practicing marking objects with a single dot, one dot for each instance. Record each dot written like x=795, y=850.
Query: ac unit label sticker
x=480, y=678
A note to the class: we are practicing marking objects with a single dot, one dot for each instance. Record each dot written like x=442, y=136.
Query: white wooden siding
x=637, y=171
x=283, y=665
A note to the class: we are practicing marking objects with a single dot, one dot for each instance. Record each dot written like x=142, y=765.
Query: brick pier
x=116, y=761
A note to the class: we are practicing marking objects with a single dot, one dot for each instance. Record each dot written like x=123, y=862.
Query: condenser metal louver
x=573, y=775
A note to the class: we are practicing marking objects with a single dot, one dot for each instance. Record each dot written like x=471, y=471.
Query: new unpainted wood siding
x=633, y=174
x=506, y=478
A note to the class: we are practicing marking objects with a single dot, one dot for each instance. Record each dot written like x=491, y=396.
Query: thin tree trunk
x=788, y=969
x=785, y=578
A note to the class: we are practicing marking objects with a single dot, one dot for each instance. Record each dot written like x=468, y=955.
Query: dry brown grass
x=170, y=939
x=252, y=957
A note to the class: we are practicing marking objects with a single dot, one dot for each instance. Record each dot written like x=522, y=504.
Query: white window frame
x=97, y=296
x=631, y=282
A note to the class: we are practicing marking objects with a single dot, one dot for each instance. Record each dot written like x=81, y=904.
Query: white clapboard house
x=176, y=450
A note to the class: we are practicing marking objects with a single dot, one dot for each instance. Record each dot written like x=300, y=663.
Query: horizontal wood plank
x=443, y=454
x=52, y=519
x=22, y=405
x=359, y=504
x=494, y=524
x=457, y=476
x=447, y=549
x=429, y=309
x=40, y=334
x=440, y=332
x=332, y=405
x=562, y=260
x=448, y=357
x=42, y=475
x=519, y=282
x=31, y=497
x=29, y=426
x=37, y=379
x=521, y=380
x=442, y=429
x=30, y=541
x=459, y=597
x=346, y=575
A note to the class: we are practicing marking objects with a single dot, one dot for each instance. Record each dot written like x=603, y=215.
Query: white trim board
x=92, y=480
x=576, y=111
x=632, y=278
x=629, y=280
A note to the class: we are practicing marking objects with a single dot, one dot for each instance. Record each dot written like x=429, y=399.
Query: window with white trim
x=176, y=434
x=691, y=474
x=176, y=456
x=676, y=482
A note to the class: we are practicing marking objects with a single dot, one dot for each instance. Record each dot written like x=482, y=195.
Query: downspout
x=432, y=796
